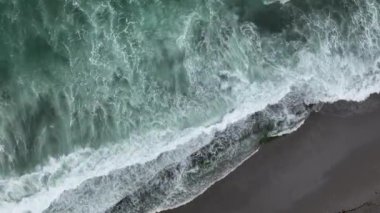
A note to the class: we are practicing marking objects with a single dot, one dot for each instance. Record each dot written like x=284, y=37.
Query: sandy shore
x=330, y=164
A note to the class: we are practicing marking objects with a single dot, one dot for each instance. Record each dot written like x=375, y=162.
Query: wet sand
x=330, y=164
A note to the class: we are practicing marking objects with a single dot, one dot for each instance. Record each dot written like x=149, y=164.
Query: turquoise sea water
x=126, y=98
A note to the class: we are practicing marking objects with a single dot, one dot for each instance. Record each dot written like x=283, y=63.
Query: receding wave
x=139, y=106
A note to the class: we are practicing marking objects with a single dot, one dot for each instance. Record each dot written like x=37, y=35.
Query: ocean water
x=141, y=105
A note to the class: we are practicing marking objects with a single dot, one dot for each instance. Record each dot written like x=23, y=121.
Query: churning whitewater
x=141, y=105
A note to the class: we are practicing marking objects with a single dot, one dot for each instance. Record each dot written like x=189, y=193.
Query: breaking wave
x=139, y=106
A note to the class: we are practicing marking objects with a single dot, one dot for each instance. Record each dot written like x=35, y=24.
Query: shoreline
x=327, y=165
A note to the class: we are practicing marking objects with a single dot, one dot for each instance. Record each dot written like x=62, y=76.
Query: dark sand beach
x=330, y=164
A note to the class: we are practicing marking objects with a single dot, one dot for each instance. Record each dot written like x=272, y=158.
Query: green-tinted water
x=87, y=87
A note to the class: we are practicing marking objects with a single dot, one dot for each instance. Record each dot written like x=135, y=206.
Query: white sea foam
x=67, y=172
x=273, y=1
x=313, y=70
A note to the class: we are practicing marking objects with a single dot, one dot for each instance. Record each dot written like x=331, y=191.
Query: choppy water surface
x=140, y=105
